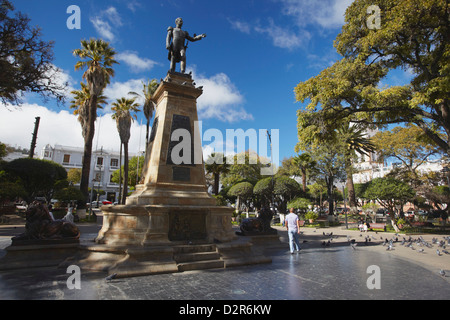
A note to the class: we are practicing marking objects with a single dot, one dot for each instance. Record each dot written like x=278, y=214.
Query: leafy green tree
x=413, y=36
x=389, y=193
x=330, y=164
x=299, y=203
x=10, y=187
x=135, y=170
x=318, y=190
x=74, y=176
x=285, y=189
x=409, y=145
x=245, y=166
x=3, y=151
x=25, y=59
x=97, y=58
x=38, y=177
x=264, y=190
x=68, y=194
x=243, y=191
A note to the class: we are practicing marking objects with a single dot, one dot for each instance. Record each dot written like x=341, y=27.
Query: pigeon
x=353, y=245
x=438, y=252
x=111, y=277
x=442, y=273
x=420, y=250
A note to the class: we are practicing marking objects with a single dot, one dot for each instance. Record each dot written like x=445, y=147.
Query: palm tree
x=80, y=103
x=305, y=163
x=149, y=105
x=123, y=108
x=354, y=137
x=216, y=165
x=97, y=58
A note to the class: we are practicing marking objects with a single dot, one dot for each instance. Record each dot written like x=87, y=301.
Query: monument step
x=200, y=265
x=194, y=248
x=197, y=256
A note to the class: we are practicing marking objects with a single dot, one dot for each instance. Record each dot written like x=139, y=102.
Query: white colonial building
x=103, y=164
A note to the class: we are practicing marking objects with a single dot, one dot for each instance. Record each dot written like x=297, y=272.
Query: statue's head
x=179, y=22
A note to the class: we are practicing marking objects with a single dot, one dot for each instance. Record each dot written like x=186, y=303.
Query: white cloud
x=280, y=37
x=133, y=5
x=283, y=38
x=117, y=90
x=103, y=28
x=136, y=63
x=325, y=13
x=220, y=99
x=243, y=27
x=61, y=127
x=102, y=23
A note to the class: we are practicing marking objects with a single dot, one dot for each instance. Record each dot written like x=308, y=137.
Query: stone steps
x=197, y=257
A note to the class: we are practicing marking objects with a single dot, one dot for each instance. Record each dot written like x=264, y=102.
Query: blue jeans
x=294, y=240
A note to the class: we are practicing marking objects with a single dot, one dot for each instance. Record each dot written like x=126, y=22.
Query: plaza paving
x=318, y=272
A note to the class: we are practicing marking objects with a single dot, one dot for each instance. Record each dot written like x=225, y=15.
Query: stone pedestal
x=172, y=204
x=38, y=253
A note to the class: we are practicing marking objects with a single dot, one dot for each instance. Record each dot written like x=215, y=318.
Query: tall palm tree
x=149, y=105
x=305, y=163
x=123, y=108
x=216, y=165
x=354, y=137
x=80, y=103
x=97, y=58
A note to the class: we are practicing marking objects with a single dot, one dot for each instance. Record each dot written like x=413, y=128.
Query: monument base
x=43, y=253
x=153, y=225
x=139, y=261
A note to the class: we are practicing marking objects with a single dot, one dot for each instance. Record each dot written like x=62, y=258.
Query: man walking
x=293, y=228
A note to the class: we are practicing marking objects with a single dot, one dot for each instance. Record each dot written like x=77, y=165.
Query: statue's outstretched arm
x=195, y=38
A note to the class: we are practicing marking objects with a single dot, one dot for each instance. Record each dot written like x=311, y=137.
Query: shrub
x=311, y=215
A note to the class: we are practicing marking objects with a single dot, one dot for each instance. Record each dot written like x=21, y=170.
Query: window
x=99, y=161
x=66, y=158
x=114, y=162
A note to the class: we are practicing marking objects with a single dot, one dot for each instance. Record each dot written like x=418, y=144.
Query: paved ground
x=318, y=272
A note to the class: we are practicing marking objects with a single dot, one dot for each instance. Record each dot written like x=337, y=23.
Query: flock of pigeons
x=409, y=242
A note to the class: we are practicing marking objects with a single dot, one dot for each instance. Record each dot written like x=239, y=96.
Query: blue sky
x=254, y=55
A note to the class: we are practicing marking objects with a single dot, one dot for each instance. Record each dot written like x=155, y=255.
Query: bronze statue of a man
x=177, y=45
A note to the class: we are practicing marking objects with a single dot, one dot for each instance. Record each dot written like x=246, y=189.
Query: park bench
x=377, y=226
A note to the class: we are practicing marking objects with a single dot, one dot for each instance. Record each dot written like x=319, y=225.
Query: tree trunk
x=216, y=183
x=329, y=180
x=125, y=173
x=85, y=172
x=304, y=179
x=119, y=200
